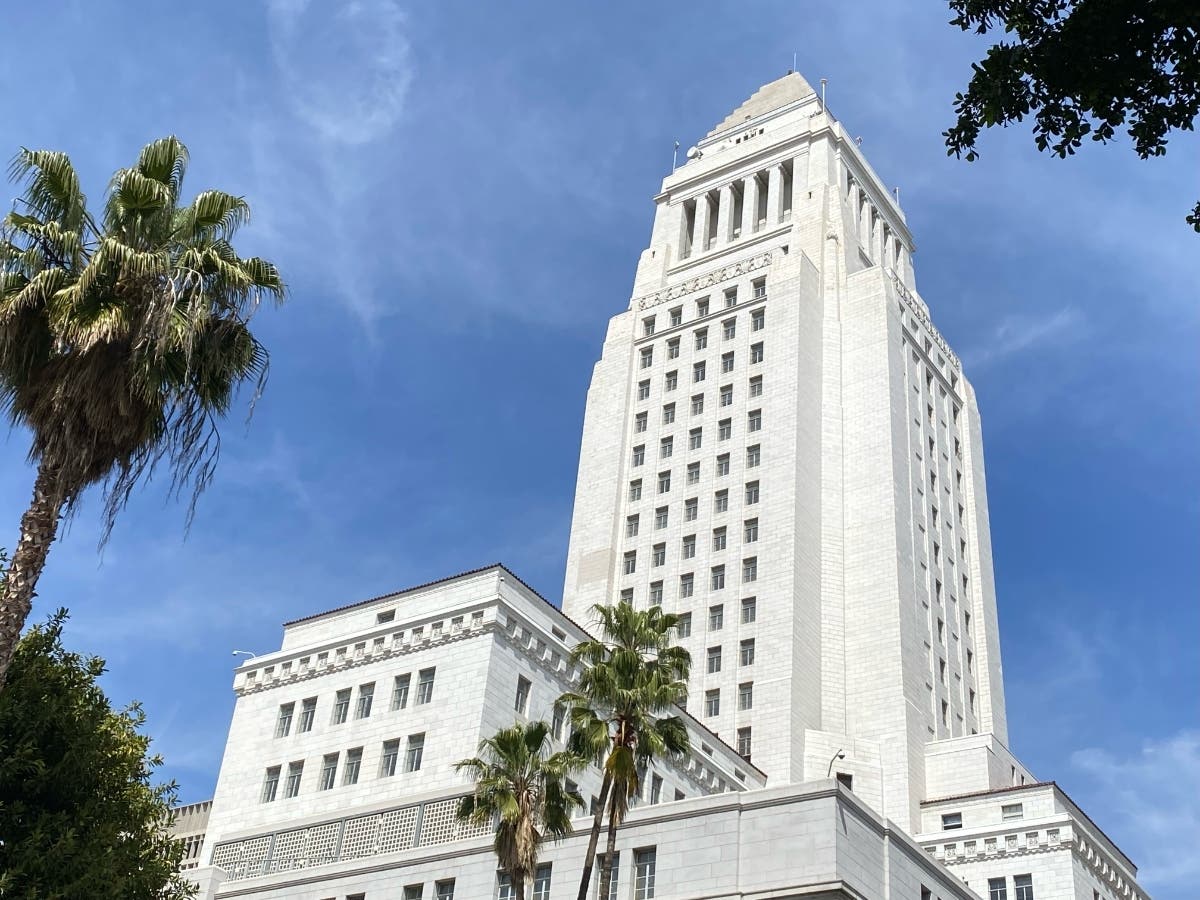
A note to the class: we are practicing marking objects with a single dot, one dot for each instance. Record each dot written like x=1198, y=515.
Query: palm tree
x=122, y=341
x=521, y=784
x=632, y=680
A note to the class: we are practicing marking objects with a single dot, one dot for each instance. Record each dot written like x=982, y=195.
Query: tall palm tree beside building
x=622, y=713
x=123, y=340
x=521, y=787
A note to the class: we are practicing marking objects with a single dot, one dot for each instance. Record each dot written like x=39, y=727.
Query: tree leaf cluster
x=81, y=815
x=1083, y=69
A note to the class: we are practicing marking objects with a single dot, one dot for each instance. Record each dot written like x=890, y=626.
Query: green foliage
x=521, y=787
x=1082, y=68
x=123, y=341
x=80, y=816
x=633, y=677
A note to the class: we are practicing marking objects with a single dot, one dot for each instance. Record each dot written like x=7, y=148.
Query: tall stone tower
x=779, y=444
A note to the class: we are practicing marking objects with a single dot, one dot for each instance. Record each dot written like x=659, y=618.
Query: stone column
x=749, y=205
x=724, y=211
x=774, y=184
x=700, y=236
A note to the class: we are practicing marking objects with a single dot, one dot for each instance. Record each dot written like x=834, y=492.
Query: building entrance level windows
x=613, y=888
x=644, y=863
x=541, y=883
x=294, y=774
x=425, y=686
x=283, y=725
x=341, y=706
x=270, y=784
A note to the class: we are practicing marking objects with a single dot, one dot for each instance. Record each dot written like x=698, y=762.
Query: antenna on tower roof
x=824, y=81
x=793, y=68
x=675, y=157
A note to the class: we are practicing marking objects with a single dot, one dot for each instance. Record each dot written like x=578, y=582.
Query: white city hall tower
x=781, y=447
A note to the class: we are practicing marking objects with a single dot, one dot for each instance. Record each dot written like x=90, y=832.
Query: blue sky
x=457, y=193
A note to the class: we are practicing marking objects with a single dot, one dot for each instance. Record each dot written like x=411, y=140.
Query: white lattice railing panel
x=361, y=837
x=392, y=831
x=289, y=850
x=323, y=843
x=396, y=830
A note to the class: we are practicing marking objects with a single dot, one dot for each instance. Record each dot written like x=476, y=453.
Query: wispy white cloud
x=1155, y=795
x=346, y=66
x=1018, y=333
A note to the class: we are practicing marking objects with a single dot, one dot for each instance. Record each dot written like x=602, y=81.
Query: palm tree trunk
x=589, y=860
x=39, y=527
x=606, y=873
x=518, y=881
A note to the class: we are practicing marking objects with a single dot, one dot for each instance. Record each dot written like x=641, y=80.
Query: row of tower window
x=666, y=446
x=641, y=420
x=362, y=707
x=389, y=763
x=720, y=536
x=699, y=371
x=703, y=306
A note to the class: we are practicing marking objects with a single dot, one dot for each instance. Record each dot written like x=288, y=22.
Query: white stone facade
x=779, y=444
x=822, y=446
